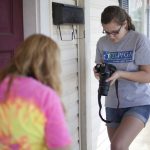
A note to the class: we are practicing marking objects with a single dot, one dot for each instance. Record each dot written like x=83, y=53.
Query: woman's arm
x=97, y=75
x=57, y=133
x=141, y=76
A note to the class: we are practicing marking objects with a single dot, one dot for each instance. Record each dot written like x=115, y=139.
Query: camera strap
x=100, y=104
x=116, y=86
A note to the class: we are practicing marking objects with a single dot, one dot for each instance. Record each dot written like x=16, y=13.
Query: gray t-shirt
x=127, y=54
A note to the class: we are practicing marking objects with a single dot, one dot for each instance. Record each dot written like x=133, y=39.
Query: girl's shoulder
x=28, y=87
x=137, y=35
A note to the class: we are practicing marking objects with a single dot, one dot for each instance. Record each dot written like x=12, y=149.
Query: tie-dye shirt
x=31, y=117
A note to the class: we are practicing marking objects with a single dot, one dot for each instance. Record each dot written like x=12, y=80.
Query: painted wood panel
x=70, y=78
x=11, y=29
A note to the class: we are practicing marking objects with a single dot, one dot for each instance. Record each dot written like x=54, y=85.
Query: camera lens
x=103, y=85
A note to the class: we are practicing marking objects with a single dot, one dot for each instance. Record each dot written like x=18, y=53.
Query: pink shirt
x=32, y=117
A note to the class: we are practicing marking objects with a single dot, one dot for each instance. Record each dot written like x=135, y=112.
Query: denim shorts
x=116, y=115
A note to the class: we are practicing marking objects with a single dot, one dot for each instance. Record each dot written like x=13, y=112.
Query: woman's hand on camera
x=116, y=75
x=97, y=75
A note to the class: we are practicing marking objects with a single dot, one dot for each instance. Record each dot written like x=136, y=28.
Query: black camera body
x=105, y=70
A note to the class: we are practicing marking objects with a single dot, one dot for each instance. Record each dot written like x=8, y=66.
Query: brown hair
x=117, y=14
x=38, y=56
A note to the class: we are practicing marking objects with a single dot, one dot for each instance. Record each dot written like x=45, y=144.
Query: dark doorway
x=11, y=28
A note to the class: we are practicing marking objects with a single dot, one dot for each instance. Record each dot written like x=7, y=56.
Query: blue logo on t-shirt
x=118, y=57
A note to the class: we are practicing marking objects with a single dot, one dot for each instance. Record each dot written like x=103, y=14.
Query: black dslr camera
x=105, y=70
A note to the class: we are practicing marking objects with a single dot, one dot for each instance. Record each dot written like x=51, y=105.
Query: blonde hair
x=38, y=56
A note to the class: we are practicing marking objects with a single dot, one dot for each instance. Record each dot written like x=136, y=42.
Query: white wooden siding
x=70, y=75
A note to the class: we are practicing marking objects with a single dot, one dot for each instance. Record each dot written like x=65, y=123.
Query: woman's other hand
x=116, y=75
x=97, y=75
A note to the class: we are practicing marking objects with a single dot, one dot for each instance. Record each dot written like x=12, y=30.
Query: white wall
x=96, y=131
x=70, y=74
x=36, y=17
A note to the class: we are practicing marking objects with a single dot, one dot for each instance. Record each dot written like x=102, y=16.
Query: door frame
x=37, y=22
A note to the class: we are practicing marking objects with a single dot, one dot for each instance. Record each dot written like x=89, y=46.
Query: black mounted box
x=67, y=14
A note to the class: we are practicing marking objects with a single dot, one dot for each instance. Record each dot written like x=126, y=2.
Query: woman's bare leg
x=111, y=132
x=123, y=136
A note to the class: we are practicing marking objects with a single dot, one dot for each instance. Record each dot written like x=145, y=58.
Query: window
x=139, y=12
x=124, y=4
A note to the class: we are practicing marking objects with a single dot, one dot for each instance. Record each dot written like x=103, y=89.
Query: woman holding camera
x=129, y=52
